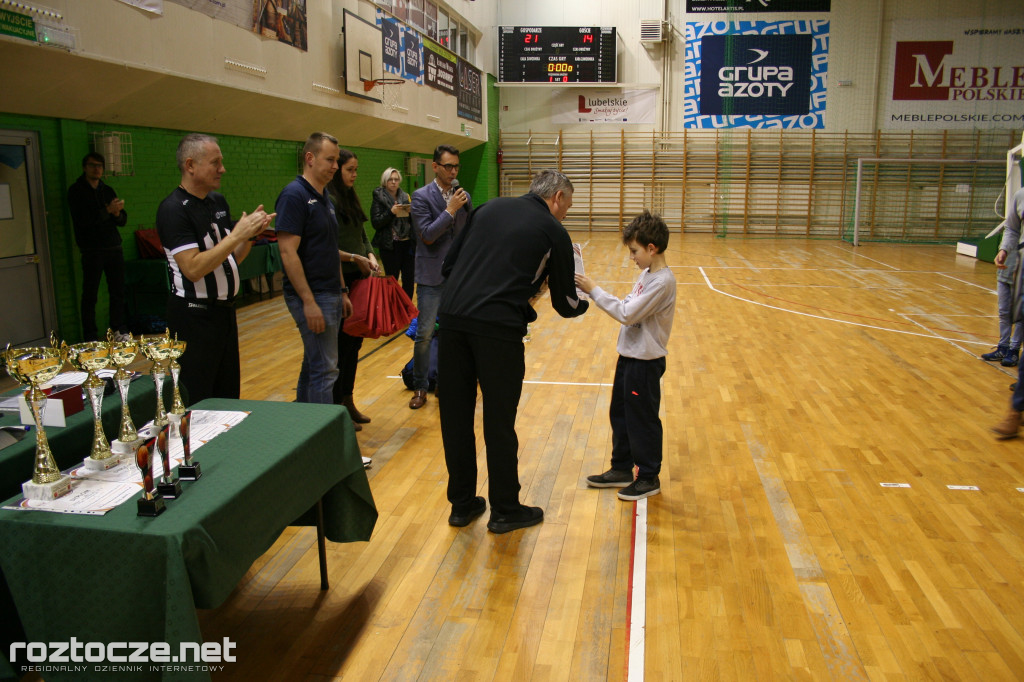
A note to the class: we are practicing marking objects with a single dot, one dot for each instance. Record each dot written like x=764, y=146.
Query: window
x=430, y=19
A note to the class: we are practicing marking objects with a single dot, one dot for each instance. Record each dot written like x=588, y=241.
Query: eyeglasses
x=94, y=164
x=449, y=166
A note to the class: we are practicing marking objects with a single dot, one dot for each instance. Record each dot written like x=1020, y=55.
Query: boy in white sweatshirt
x=646, y=315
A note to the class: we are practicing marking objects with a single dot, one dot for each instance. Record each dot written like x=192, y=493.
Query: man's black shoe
x=523, y=518
x=460, y=519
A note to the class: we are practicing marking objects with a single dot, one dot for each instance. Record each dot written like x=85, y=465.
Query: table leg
x=321, y=544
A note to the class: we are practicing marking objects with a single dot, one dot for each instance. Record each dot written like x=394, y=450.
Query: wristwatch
x=344, y=290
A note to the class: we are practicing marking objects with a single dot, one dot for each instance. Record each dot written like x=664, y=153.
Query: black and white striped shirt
x=185, y=222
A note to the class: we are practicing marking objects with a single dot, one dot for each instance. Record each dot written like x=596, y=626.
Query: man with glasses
x=96, y=213
x=439, y=211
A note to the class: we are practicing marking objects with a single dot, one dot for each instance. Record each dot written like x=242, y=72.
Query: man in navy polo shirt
x=203, y=249
x=307, y=234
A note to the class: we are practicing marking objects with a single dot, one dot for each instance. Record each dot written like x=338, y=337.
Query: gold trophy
x=158, y=349
x=89, y=357
x=175, y=351
x=122, y=354
x=34, y=367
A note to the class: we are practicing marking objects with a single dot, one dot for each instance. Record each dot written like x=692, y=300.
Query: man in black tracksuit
x=495, y=266
x=96, y=213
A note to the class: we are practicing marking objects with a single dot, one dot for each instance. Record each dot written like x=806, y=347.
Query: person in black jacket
x=495, y=268
x=96, y=213
x=389, y=215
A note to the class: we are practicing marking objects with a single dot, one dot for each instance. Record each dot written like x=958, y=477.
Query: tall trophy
x=169, y=487
x=122, y=354
x=188, y=470
x=151, y=503
x=177, y=407
x=158, y=349
x=34, y=367
x=89, y=357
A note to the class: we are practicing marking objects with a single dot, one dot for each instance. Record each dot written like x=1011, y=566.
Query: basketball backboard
x=363, y=56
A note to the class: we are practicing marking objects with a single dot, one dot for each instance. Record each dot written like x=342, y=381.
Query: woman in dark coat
x=389, y=215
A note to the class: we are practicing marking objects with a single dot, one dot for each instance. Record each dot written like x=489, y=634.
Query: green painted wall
x=257, y=170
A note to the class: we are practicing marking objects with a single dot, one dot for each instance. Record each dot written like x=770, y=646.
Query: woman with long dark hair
x=351, y=239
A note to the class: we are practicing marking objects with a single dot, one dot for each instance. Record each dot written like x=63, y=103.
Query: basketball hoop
x=371, y=84
x=389, y=97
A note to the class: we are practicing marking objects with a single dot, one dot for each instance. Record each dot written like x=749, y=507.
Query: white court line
x=830, y=319
x=638, y=594
x=963, y=281
x=860, y=255
x=544, y=383
x=949, y=341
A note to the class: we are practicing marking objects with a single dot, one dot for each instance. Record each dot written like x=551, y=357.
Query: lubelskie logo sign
x=755, y=75
x=929, y=70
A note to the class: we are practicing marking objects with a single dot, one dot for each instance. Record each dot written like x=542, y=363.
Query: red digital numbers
x=531, y=38
x=588, y=38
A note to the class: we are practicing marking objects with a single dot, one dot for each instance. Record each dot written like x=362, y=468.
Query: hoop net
x=387, y=89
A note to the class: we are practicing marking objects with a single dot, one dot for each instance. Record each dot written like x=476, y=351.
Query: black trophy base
x=153, y=507
x=169, y=491
x=189, y=472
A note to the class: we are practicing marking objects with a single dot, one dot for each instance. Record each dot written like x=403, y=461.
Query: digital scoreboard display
x=556, y=54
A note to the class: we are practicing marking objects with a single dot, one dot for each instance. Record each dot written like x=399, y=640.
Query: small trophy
x=90, y=357
x=174, y=352
x=122, y=354
x=189, y=470
x=157, y=348
x=36, y=366
x=151, y=503
x=169, y=487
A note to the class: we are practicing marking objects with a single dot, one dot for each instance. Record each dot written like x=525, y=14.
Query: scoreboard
x=556, y=54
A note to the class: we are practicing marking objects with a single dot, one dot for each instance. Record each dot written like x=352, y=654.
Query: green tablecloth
x=71, y=444
x=125, y=578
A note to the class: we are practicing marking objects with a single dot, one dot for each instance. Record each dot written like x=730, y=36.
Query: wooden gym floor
x=802, y=377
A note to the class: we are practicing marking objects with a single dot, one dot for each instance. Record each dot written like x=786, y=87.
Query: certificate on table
x=97, y=492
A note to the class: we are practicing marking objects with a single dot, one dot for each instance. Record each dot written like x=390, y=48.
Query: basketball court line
x=636, y=599
x=963, y=281
x=860, y=255
x=711, y=286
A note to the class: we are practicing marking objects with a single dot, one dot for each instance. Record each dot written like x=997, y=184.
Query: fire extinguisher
x=500, y=155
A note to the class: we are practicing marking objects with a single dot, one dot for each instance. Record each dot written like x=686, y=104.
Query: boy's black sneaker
x=524, y=517
x=613, y=478
x=464, y=518
x=640, y=488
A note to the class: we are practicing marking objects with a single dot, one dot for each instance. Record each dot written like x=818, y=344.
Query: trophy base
x=154, y=507
x=170, y=491
x=189, y=472
x=125, y=448
x=108, y=462
x=46, y=491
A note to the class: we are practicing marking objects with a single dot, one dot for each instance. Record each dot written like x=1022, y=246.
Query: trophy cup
x=189, y=470
x=174, y=352
x=122, y=354
x=157, y=349
x=89, y=357
x=169, y=487
x=36, y=366
x=151, y=503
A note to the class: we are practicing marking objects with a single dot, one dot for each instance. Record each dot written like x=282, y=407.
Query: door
x=28, y=312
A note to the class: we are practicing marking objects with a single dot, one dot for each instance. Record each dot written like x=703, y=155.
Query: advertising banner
x=636, y=107
x=471, y=95
x=401, y=50
x=439, y=67
x=956, y=73
x=755, y=74
x=733, y=6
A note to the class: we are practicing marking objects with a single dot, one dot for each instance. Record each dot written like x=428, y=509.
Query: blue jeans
x=1009, y=334
x=428, y=300
x=320, y=351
